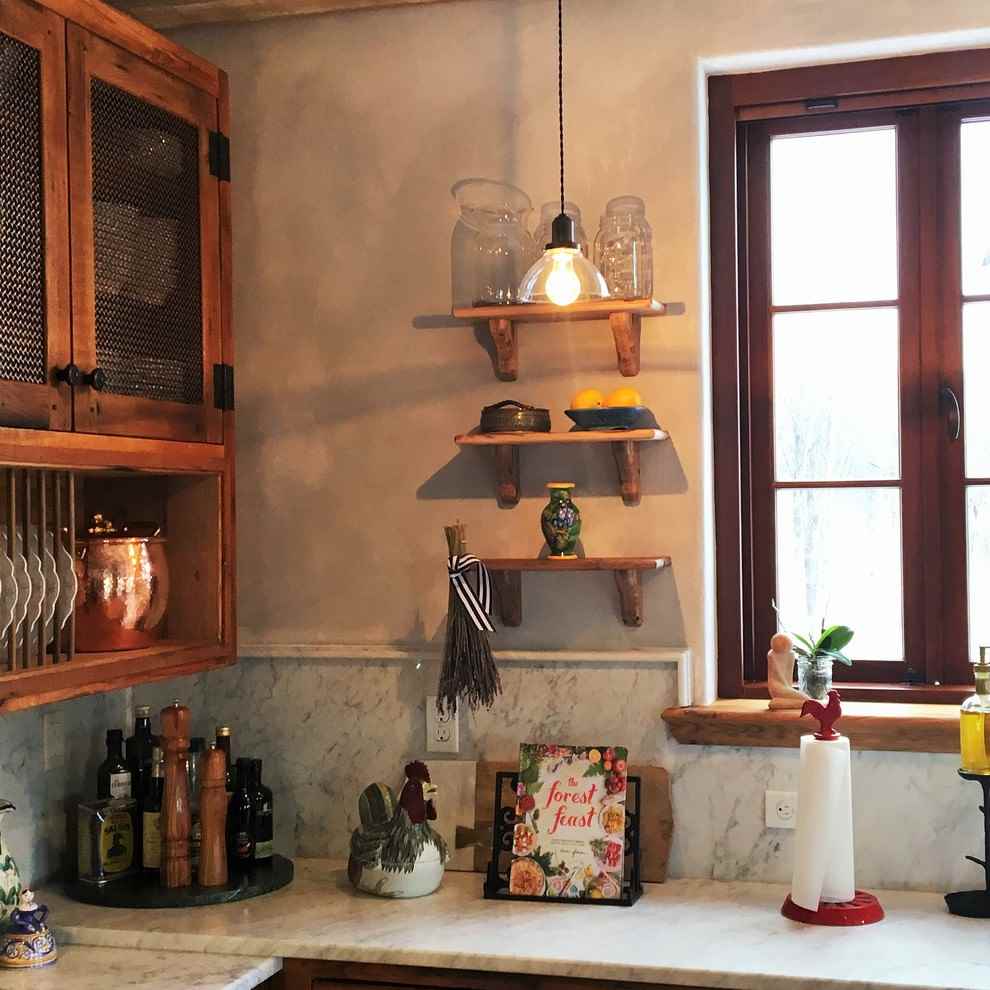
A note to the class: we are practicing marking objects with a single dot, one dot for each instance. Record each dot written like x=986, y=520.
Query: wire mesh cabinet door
x=35, y=337
x=145, y=246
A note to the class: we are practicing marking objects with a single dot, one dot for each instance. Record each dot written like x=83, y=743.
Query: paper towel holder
x=975, y=903
x=864, y=908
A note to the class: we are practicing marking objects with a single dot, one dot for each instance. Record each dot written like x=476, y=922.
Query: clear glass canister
x=542, y=234
x=624, y=248
x=504, y=249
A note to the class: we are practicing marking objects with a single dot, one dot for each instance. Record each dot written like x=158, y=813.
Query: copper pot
x=123, y=592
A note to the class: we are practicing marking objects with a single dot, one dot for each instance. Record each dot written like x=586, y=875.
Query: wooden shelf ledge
x=869, y=725
x=507, y=578
x=624, y=317
x=625, y=450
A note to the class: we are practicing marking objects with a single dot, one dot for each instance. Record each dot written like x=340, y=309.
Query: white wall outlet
x=53, y=733
x=782, y=809
x=442, y=734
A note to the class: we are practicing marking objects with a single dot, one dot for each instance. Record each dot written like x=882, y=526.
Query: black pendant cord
x=560, y=92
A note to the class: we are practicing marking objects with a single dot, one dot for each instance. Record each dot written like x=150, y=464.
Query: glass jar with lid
x=624, y=248
x=543, y=233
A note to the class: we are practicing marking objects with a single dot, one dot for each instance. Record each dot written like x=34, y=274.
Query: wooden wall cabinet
x=116, y=350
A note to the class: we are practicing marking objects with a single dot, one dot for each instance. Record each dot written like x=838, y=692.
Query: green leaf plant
x=825, y=645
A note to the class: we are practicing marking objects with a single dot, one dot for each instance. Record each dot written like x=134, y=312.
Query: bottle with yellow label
x=974, y=720
x=106, y=840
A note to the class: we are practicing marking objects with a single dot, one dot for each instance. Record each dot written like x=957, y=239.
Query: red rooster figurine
x=397, y=838
x=827, y=715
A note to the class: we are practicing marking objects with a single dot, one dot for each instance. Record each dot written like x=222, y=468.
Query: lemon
x=587, y=398
x=625, y=396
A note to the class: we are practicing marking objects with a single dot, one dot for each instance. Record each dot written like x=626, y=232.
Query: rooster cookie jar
x=396, y=852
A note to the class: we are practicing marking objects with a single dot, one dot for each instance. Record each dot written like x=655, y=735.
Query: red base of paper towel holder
x=863, y=909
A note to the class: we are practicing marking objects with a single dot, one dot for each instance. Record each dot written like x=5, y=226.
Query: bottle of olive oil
x=974, y=720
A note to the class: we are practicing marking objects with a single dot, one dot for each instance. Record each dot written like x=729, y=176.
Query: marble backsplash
x=325, y=729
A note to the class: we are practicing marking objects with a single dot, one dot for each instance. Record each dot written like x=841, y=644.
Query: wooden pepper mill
x=213, y=799
x=176, y=869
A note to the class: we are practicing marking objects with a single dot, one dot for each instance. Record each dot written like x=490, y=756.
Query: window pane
x=976, y=378
x=833, y=211
x=974, y=152
x=978, y=540
x=839, y=559
x=835, y=387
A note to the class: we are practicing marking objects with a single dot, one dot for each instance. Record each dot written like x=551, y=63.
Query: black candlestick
x=976, y=903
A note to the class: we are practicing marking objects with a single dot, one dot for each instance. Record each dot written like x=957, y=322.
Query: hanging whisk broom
x=469, y=672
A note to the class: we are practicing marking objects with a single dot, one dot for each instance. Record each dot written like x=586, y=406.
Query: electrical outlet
x=781, y=809
x=53, y=735
x=442, y=734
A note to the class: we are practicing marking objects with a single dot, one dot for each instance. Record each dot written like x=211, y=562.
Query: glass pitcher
x=482, y=202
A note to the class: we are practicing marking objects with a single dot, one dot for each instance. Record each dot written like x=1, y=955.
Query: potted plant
x=815, y=656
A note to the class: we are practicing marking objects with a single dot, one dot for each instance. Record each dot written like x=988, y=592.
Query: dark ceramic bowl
x=606, y=418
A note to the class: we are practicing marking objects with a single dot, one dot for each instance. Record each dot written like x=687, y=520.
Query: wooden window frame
x=739, y=105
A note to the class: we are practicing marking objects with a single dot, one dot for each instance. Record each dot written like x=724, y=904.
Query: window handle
x=953, y=412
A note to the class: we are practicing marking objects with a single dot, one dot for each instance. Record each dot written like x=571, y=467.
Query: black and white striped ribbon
x=477, y=601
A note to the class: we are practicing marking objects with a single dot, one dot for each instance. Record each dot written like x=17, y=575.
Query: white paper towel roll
x=823, y=859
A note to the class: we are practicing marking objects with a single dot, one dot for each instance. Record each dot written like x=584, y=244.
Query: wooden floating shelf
x=506, y=575
x=624, y=317
x=624, y=443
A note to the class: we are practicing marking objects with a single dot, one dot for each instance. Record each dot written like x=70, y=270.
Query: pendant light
x=562, y=275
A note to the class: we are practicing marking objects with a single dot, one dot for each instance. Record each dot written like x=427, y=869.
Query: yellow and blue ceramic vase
x=27, y=942
x=561, y=520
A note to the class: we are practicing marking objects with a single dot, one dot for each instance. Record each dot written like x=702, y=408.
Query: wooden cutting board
x=656, y=828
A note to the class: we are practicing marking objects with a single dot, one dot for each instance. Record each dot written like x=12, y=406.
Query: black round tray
x=144, y=890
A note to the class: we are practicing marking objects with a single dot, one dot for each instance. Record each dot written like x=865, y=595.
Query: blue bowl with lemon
x=621, y=410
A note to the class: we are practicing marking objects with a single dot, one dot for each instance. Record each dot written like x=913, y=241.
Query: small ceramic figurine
x=561, y=520
x=28, y=942
x=10, y=879
x=780, y=674
x=396, y=852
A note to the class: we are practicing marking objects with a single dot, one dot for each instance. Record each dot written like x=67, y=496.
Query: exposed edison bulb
x=563, y=283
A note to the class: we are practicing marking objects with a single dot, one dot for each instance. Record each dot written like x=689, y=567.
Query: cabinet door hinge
x=223, y=386
x=220, y=155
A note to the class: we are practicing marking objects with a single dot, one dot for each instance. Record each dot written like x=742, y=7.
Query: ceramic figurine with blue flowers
x=10, y=879
x=27, y=942
x=561, y=521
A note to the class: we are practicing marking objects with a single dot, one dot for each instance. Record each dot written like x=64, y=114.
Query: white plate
x=68, y=582
x=8, y=591
x=51, y=582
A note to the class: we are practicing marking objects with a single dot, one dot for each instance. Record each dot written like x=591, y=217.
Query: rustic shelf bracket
x=506, y=343
x=507, y=475
x=508, y=591
x=626, y=456
x=625, y=316
x=630, y=586
x=625, y=450
x=626, y=329
x=506, y=574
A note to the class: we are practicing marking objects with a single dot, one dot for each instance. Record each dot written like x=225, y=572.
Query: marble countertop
x=682, y=933
x=83, y=967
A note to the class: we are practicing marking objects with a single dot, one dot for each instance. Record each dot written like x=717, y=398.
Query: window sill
x=869, y=725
